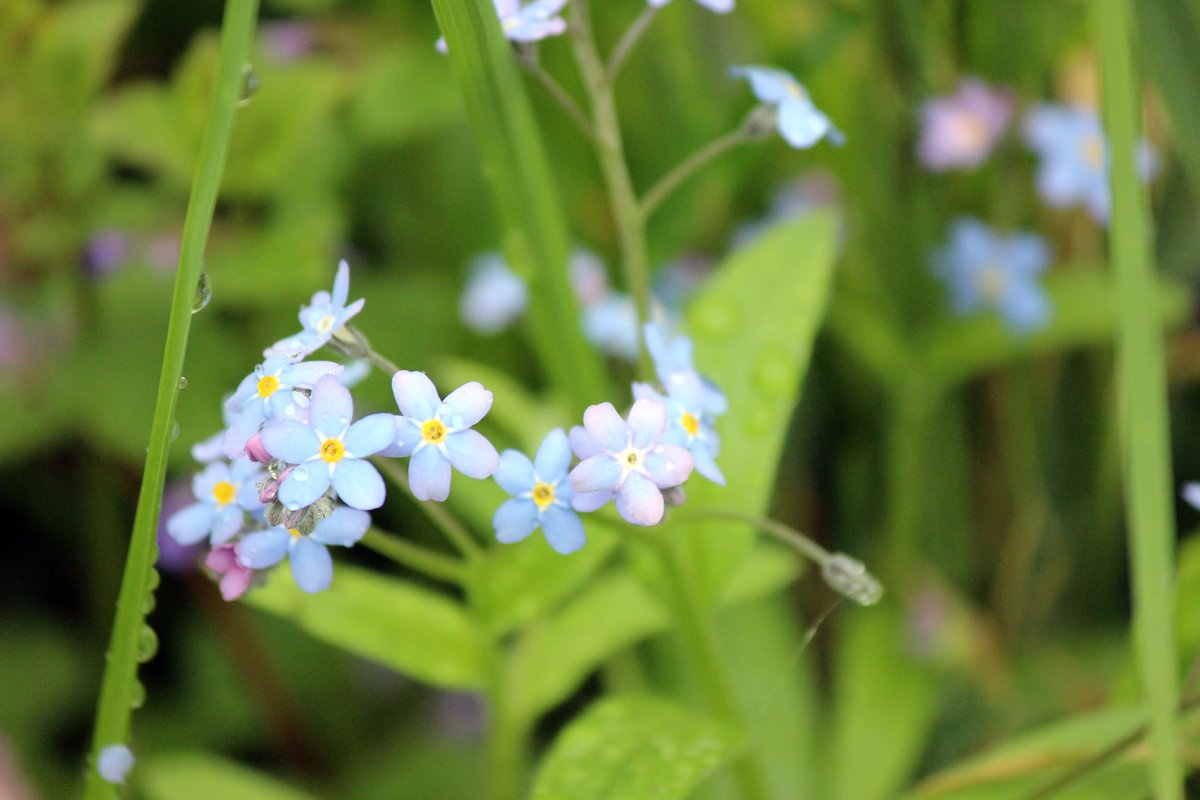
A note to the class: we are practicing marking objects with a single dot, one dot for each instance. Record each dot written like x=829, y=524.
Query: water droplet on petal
x=203, y=293
x=300, y=474
x=147, y=644
x=293, y=507
x=290, y=410
x=343, y=420
x=249, y=85
x=137, y=695
x=182, y=381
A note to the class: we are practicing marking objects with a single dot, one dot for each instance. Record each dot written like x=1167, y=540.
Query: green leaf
x=199, y=776
x=753, y=328
x=632, y=748
x=408, y=628
x=1168, y=31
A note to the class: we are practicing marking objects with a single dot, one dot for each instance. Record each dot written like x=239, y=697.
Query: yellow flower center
x=1093, y=152
x=296, y=534
x=267, y=385
x=325, y=323
x=224, y=492
x=690, y=423
x=433, y=431
x=630, y=457
x=992, y=282
x=543, y=494
x=332, y=451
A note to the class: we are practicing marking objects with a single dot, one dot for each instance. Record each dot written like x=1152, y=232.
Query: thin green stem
x=446, y=522
x=616, y=59
x=1141, y=377
x=506, y=748
x=610, y=151
x=116, y=693
x=690, y=166
x=413, y=556
x=563, y=98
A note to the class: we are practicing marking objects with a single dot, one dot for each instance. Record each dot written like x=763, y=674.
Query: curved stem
x=616, y=59
x=690, y=166
x=116, y=693
x=383, y=364
x=563, y=98
x=415, y=557
x=446, y=522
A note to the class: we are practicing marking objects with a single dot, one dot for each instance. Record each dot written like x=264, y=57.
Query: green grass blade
x=117, y=690
x=1168, y=31
x=1141, y=377
x=536, y=240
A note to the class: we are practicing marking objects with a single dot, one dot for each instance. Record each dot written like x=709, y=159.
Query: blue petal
x=341, y=285
x=466, y=405
x=343, y=527
x=800, y=123
x=304, y=485
x=494, y=296
x=290, y=441
x=311, y=565
x=429, y=475
x=407, y=436
x=204, y=480
x=1025, y=308
x=307, y=373
x=668, y=465
x=227, y=522
x=1191, y=493
x=264, y=548
x=332, y=407
x=553, y=457
x=639, y=501
x=706, y=465
x=590, y=501
x=191, y=524
x=583, y=444
x=370, y=435
x=358, y=484
x=647, y=421
x=471, y=454
x=563, y=530
x=514, y=520
x=596, y=474
x=514, y=472
x=245, y=425
x=769, y=85
x=415, y=395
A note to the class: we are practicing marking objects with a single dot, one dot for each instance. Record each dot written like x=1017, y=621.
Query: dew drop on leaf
x=203, y=293
x=249, y=85
x=147, y=644
x=137, y=695
x=182, y=381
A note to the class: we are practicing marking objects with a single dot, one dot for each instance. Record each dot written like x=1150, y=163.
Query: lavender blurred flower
x=173, y=556
x=287, y=40
x=626, y=461
x=106, y=252
x=321, y=319
x=800, y=122
x=984, y=270
x=269, y=393
x=589, y=278
x=719, y=6
x=611, y=325
x=15, y=346
x=541, y=496
x=312, y=567
x=529, y=23
x=960, y=131
x=495, y=296
x=224, y=493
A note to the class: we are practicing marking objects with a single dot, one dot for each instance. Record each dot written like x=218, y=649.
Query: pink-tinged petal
x=596, y=474
x=415, y=394
x=407, y=436
x=515, y=520
x=472, y=454
x=668, y=465
x=191, y=524
x=590, y=501
x=583, y=444
x=514, y=472
x=244, y=426
x=332, y=407
x=646, y=391
x=311, y=565
x=256, y=452
x=554, y=456
x=263, y=549
x=639, y=501
x=307, y=373
x=466, y=405
x=358, y=484
x=647, y=421
x=429, y=475
x=604, y=424
x=221, y=559
x=290, y=441
x=344, y=527
x=235, y=583
x=563, y=530
x=370, y=435
x=304, y=485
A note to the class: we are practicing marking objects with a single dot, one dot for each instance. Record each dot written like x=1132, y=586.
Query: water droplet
x=293, y=506
x=182, y=381
x=324, y=415
x=149, y=603
x=716, y=317
x=153, y=580
x=775, y=370
x=147, y=644
x=301, y=475
x=761, y=420
x=343, y=420
x=290, y=411
x=137, y=695
x=174, y=431
x=203, y=293
x=456, y=421
x=249, y=86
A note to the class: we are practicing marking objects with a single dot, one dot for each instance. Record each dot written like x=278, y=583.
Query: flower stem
x=616, y=59
x=413, y=556
x=116, y=693
x=690, y=166
x=610, y=151
x=563, y=98
x=446, y=522
x=383, y=364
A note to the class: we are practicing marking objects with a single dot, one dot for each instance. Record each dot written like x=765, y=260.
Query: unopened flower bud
x=255, y=450
x=849, y=577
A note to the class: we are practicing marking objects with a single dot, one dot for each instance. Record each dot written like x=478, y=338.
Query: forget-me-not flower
x=267, y=393
x=437, y=433
x=329, y=449
x=529, y=23
x=320, y=319
x=960, y=131
x=626, y=461
x=672, y=358
x=611, y=325
x=495, y=296
x=719, y=6
x=541, y=496
x=799, y=121
x=312, y=566
x=224, y=493
x=1191, y=493
x=984, y=270
x=687, y=423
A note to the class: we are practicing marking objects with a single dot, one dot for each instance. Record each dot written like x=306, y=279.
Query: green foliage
x=633, y=747
x=198, y=776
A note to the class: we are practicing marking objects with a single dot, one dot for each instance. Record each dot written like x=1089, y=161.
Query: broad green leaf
x=633, y=747
x=75, y=49
x=200, y=776
x=400, y=625
x=753, y=328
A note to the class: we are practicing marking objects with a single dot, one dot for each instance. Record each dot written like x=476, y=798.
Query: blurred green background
x=978, y=474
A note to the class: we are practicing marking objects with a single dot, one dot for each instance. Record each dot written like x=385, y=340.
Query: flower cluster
x=289, y=476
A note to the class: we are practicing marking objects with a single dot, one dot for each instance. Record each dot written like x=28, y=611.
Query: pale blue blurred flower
x=1191, y=493
x=611, y=325
x=626, y=461
x=719, y=6
x=320, y=320
x=494, y=297
x=672, y=356
x=959, y=131
x=529, y=23
x=268, y=393
x=800, y=122
x=982, y=269
x=541, y=496
x=312, y=567
x=224, y=494
x=438, y=433
x=114, y=763
x=330, y=450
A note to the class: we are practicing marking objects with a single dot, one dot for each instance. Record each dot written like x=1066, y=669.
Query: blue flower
x=541, y=496
x=320, y=320
x=224, y=493
x=673, y=363
x=266, y=394
x=688, y=426
x=800, y=122
x=626, y=461
x=611, y=325
x=495, y=296
x=330, y=450
x=982, y=269
x=719, y=6
x=308, y=557
x=1191, y=493
x=1074, y=157
x=529, y=23
x=437, y=433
